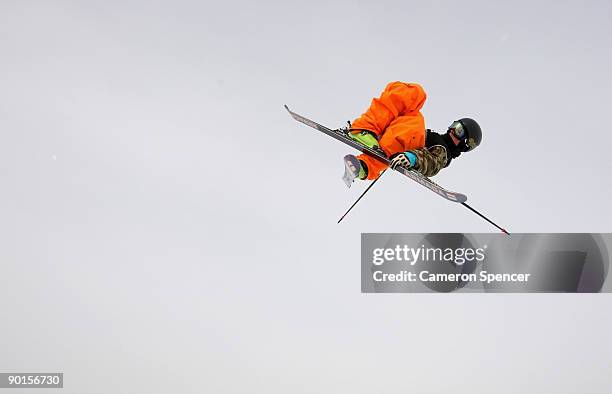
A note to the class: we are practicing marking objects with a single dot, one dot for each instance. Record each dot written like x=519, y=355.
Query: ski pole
x=484, y=217
x=362, y=194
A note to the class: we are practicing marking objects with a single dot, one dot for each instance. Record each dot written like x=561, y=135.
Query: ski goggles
x=458, y=131
x=466, y=144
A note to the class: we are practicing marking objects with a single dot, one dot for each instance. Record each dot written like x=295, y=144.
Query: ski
x=342, y=136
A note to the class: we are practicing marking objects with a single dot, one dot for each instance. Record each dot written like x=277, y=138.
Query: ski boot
x=366, y=138
x=353, y=169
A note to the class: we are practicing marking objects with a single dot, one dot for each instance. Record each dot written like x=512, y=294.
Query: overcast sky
x=168, y=227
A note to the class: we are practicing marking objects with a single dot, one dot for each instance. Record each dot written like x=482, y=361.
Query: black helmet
x=468, y=132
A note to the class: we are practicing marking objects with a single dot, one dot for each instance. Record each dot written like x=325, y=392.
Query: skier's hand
x=404, y=159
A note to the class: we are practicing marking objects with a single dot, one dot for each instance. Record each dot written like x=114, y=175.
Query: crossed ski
x=341, y=135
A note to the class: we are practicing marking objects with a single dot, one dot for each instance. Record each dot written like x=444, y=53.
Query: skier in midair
x=394, y=125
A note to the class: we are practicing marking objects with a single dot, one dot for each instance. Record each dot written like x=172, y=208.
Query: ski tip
x=287, y=108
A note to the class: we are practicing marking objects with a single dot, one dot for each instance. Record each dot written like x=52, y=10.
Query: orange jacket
x=396, y=119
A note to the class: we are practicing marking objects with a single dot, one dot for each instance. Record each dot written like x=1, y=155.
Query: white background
x=167, y=227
